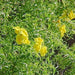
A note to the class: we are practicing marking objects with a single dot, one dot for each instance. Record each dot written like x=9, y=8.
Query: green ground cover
x=40, y=18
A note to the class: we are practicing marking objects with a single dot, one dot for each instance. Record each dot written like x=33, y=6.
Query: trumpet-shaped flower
x=19, y=39
x=67, y=17
x=43, y=51
x=71, y=15
x=38, y=40
x=22, y=35
x=37, y=47
x=17, y=29
x=26, y=41
x=62, y=34
x=62, y=30
x=22, y=39
x=24, y=31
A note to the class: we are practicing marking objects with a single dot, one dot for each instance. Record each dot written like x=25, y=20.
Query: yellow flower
x=24, y=31
x=37, y=47
x=62, y=34
x=19, y=39
x=17, y=29
x=71, y=15
x=22, y=35
x=62, y=30
x=43, y=51
x=38, y=40
x=26, y=41
x=64, y=16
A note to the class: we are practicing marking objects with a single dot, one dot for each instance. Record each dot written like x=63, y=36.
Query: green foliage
x=39, y=18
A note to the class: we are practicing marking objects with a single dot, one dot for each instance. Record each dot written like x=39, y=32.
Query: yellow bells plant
x=22, y=36
x=43, y=51
x=17, y=29
x=26, y=41
x=39, y=46
x=62, y=30
x=24, y=31
x=71, y=15
x=67, y=17
x=64, y=16
x=39, y=40
x=18, y=39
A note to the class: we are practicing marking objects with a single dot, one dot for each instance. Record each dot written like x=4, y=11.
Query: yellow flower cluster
x=22, y=38
x=71, y=15
x=67, y=17
x=22, y=35
x=43, y=50
x=39, y=47
x=62, y=28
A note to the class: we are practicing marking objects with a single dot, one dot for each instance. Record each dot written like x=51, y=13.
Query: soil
x=69, y=42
